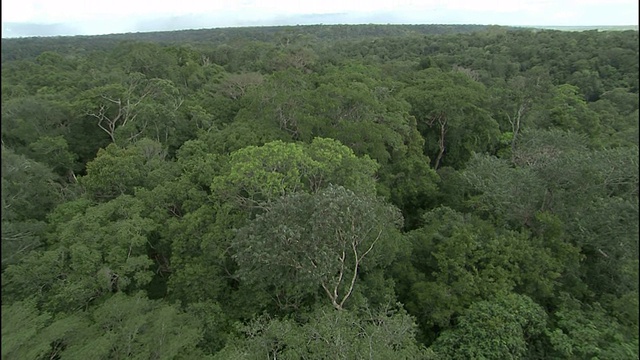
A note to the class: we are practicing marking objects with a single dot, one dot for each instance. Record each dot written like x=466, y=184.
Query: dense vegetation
x=384, y=192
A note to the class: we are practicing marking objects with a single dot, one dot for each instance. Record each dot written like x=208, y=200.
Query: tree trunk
x=442, y=121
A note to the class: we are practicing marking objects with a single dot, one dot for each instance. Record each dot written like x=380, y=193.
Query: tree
x=381, y=333
x=116, y=171
x=618, y=111
x=114, y=105
x=159, y=117
x=450, y=110
x=29, y=191
x=117, y=106
x=357, y=105
x=587, y=331
x=412, y=184
x=457, y=259
x=28, y=333
x=235, y=86
x=28, y=118
x=93, y=251
x=306, y=241
x=501, y=328
x=593, y=196
x=29, y=188
x=54, y=151
x=510, y=196
x=123, y=327
x=126, y=327
x=20, y=324
x=216, y=195
x=279, y=106
x=257, y=174
x=516, y=97
x=567, y=111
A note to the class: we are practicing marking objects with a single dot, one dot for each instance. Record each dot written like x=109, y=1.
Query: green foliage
x=263, y=173
x=215, y=325
x=618, y=113
x=27, y=118
x=116, y=171
x=19, y=238
x=42, y=336
x=54, y=151
x=158, y=188
x=199, y=251
x=303, y=242
x=29, y=191
x=500, y=328
x=136, y=328
x=586, y=331
x=451, y=114
x=567, y=111
x=24, y=180
x=272, y=170
x=509, y=196
x=411, y=183
x=456, y=260
x=21, y=322
x=594, y=197
x=99, y=251
x=385, y=333
x=122, y=327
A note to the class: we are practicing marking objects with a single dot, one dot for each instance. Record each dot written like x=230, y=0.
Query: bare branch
x=354, y=277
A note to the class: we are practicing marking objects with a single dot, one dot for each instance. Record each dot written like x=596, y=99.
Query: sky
x=83, y=17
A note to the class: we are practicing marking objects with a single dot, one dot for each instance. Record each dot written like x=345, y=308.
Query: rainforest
x=321, y=192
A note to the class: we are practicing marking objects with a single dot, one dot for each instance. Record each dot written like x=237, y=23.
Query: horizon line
x=594, y=27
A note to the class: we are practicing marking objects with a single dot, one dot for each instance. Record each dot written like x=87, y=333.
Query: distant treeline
x=24, y=48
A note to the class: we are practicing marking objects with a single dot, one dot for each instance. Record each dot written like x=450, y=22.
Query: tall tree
x=450, y=110
x=304, y=242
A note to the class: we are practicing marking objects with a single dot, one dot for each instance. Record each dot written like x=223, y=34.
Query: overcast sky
x=78, y=17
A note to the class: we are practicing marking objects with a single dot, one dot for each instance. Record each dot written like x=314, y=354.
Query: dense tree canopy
x=314, y=192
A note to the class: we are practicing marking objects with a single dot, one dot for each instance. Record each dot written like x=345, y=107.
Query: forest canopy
x=311, y=192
